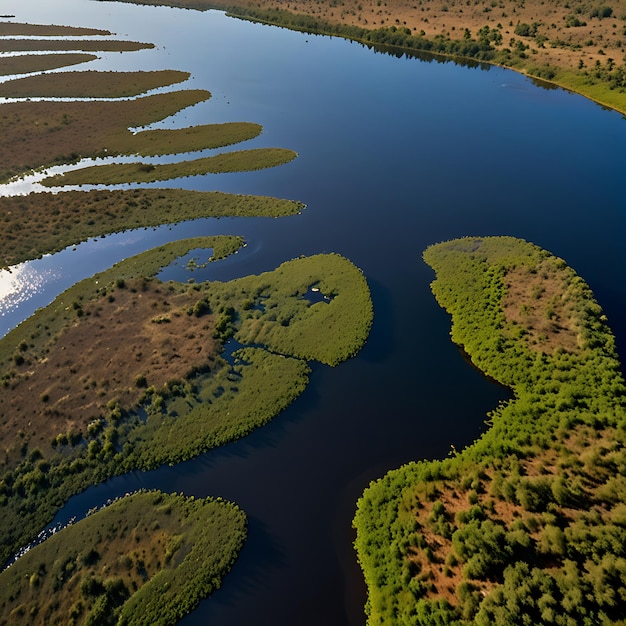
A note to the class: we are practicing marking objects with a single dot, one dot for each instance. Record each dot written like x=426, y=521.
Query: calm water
x=395, y=154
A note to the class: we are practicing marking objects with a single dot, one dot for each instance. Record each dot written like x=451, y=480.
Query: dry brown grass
x=43, y=133
x=142, y=330
x=26, y=63
x=536, y=301
x=15, y=29
x=90, y=45
x=90, y=84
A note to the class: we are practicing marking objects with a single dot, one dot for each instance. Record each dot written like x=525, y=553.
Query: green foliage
x=140, y=587
x=329, y=332
x=526, y=30
x=562, y=561
x=210, y=406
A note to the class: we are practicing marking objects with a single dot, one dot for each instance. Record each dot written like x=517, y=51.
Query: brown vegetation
x=43, y=133
x=90, y=84
x=537, y=303
x=26, y=63
x=137, y=336
x=13, y=29
x=89, y=45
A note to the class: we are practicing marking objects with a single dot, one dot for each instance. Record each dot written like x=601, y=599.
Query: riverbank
x=575, y=46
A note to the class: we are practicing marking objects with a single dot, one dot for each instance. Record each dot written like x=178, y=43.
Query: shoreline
x=529, y=56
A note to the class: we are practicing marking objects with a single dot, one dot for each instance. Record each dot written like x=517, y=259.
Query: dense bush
x=534, y=508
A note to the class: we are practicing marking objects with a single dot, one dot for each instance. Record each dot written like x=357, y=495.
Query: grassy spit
x=45, y=223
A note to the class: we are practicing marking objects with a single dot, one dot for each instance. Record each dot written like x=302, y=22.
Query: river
x=394, y=154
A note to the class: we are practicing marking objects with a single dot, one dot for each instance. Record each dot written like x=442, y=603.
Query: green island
x=119, y=173
x=45, y=223
x=145, y=559
x=577, y=44
x=90, y=84
x=526, y=525
x=157, y=390
x=26, y=63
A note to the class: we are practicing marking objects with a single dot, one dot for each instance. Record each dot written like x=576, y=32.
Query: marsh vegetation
x=123, y=371
x=145, y=559
x=136, y=347
x=44, y=223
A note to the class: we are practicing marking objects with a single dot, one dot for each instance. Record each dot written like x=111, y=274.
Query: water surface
x=394, y=154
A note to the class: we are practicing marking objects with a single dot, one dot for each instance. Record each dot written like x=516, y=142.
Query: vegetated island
x=146, y=559
x=578, y=44
x=527, y=525
x=45, y=223
x=123, y=371
x=26, y=63
x=90, y=84
x=139, y=172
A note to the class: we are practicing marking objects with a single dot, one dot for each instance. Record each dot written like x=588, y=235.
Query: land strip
x=15, y=29
x=45, y=223
x=120, y=173
x=52, y=45
x=38, y=134
x=90, y=84
x=26, y=63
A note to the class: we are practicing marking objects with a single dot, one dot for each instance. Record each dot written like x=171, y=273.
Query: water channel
x=394, y=154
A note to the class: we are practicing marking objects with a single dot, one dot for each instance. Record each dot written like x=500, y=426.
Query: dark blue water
x=394, y=154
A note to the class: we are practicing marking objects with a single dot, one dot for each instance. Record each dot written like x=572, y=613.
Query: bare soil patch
x=137, y=336
x=536, y=301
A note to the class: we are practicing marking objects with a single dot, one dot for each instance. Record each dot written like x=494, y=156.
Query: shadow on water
x=261, y=554
x=381, y=340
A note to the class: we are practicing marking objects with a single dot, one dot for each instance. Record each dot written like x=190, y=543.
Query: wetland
x=381, y=430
